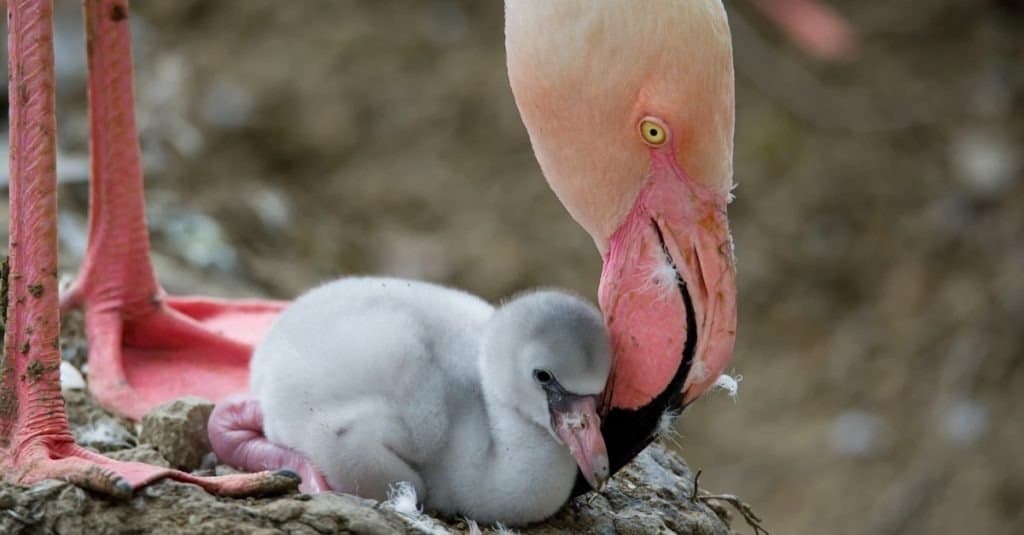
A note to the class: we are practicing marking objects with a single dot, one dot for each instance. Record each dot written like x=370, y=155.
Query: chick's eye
x=653, y=133
x=542, y=376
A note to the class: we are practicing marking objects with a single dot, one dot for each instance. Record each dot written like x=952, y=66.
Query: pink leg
x=815, y=27
x=35, y=441
x=236, y=434
x=145, y=348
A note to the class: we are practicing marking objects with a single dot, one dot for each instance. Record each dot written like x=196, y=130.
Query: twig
x=26, y=520
x=744, y=509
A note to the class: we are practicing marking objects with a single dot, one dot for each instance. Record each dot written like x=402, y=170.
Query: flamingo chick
x=486, y=411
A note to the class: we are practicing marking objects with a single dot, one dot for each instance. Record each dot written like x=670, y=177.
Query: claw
x=288, y=474
x=101, y=479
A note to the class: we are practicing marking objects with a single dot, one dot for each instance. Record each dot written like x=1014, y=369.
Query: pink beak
x=668, y=290
x=577, y=424
x=668, y=294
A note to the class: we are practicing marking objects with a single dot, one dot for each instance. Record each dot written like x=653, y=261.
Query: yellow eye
x=653, y=133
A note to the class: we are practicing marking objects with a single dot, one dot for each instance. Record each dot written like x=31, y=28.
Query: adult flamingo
x=630, y=113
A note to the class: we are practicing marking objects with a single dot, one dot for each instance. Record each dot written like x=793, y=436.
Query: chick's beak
x=578, y=426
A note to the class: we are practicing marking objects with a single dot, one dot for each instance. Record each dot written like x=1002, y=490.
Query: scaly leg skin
x=35, y=440
x=236, y=434
x=144, y=348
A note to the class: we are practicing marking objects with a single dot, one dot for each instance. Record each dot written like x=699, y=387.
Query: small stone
x=209, y=462
x=986, y=161
x=177, y=430
x=225, y=470
x=70, y=377
x=283, y=510
x=142, y=454
x=965, y=422
x=857, y=433
x=201, y=240
x=226, y=104
x=640, y=524
x=272, y=207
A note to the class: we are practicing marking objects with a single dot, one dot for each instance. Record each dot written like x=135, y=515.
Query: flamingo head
x=630, y=111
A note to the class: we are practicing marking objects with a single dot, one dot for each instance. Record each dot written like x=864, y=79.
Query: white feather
x=732, y=192
x=402, y=500
x=729, y=383
x=667, y=428
x=661, y=275
x=501, y=529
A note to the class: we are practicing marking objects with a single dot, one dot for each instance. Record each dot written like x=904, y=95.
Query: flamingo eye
x=542, y=376
x=653, y=133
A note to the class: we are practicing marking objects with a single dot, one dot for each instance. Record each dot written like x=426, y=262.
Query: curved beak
x=575, y=421
x=668, y=294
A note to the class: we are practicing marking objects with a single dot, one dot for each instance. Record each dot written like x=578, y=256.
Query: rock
x=200, y=239
x=70, y=377
x=857, y=433
x=143, y=454
x=177, y=430
x=986, y=161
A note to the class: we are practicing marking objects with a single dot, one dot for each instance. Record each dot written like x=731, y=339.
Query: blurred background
x=879, y=220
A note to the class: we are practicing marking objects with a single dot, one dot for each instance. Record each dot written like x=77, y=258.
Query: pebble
x=965, y=422
x=985, y=161
x=70, y=377
x=177, y=430
x=857, y=433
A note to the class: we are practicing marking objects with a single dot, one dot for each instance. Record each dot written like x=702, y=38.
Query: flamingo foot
x=179, y=347
x=58, y=457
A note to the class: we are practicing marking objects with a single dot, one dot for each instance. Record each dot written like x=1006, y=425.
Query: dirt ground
x=878, y=221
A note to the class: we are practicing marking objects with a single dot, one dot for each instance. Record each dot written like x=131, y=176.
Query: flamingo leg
x=35, y=440
x=144, y=348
